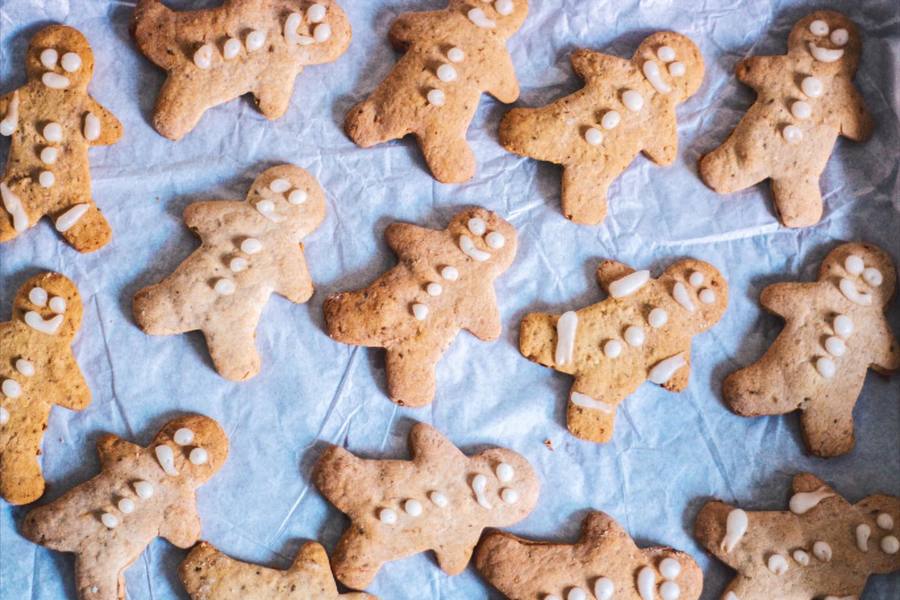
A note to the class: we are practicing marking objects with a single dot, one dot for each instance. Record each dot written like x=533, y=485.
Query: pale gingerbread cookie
x=215, y=55
x=249, y=250
x=208, y=574
x=450, y=58
x=825, y=548
x=642, y=332
x=53, y=121
x=140, y=494
x=604, y=564
x=835, y=331
x=444, y=282
x=805, y=100
x=626, y=107
x=441, y=500
x=37, y=371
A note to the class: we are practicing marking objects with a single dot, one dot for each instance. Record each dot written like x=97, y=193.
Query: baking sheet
x=670, y=452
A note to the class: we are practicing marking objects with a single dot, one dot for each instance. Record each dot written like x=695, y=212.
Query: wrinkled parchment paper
x=670, y=451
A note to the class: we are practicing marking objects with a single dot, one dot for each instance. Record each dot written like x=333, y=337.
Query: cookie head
x=864, y=273
x=829, y=37
x=49, y=304
x=192, y=447
x=484, y=237
x=507, y=483
x=289, y=196
x=671, y=63
x=61, y=57
x=503, y=16
x=700, y=289
x=679, y=576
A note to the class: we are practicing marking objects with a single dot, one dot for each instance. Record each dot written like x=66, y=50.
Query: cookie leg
x=584, y=194
x=156, y=312
x=367, y=126
x=273, y=96
x=448, y=154
x=232, y=348
x=13, y=211
x=21, y=480
x=89, y=233
x=98, y=580
x=177, y=109
x=410, y=374
x=756, y=390
x=798, y=200
x=356, y=560
x=828, y=426
x=588, y=415
x=730, y=168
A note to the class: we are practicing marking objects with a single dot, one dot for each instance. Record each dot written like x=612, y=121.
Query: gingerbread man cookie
x=824, y=548
x=37, y=370
x=440, y=500
x=249, y=250
x=208, y=574
x=805, y=100
x=450, y=58
x=53, y=121
x=215, y=55
x=443, y=283
x=141, y=493
x=643, y=331
x=605, y=562
x=835, y=331
x=626, y=107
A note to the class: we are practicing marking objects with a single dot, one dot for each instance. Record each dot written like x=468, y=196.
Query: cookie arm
x=756, y=70
x=590, y=65
x=110, y=127
x=483, y=316
x=294, y=281
x=405, y=29
x=505, y=85
x=857, y=123
x=72, y=391
x=661, y=146
x=887, y=354
x=609, y=271
x=783, y=299
x=181, y=526
x=428, y=445
x=110, y=448
x=403, y=238
x=205, y=217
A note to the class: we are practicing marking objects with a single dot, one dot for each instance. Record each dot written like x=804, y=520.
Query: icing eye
x=854, y=264
x=839, y=37
x=38, y=296
x=509, y=496
x=298, y=197
x=49, y=58
x=256, y=39
x=504, y=7
x=873, y=277
x=280, y=186
x=666, y=53
x=477, y=226
x=58, y=305
x=198, y=456
x=495, y=240
x=677, y=69
x=316, y=13
x=71, y=62
x=183, y=436
x=819, y=27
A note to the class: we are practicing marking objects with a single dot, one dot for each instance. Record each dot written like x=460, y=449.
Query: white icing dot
x=890, y=544
x=610, y=119
x=413, y=507
x=225, y=287
x=11, y=388
x=25, y=367
x=677, y=69
x=438, y=499
x=49, y=155
x=504, y=7
x=801, y=557
x=38, y=296
x=420, y=311
x=669, y=568
x=166, y=459
x=71, y=62
x=231, y=48
x=505, y=472
x=873, y=277
x=645, y=582
x=434, y=289
x=436, y=97
x=183, y=436
x=822, y=551
x=322, y=32
x=279, y=186
x=634, y=336
x=144, y=489
x=4, y=416
x=251, y=246
x=632, y=100
x=801, y=110
x=477, y=226
x=495, y=240
x=58, y=305
x=576, y=594
x=198, y=456
x=666, y=53
x=46, y=179
x=696, y=279
x=818, y=27
x=735, y=527
x=255, y=40
x=778, y=564
x=109, y=520
x=792, y=134
x=593, y=136
x=316, y=13
x=298, y=197
x=839, y=37
x=450, y=273
x=707, y=296
x=126, y=506
x=55, y=81
x=658, y=317
x=854, y=264
x=826, y=367
x=49, y=57
x=477, y=16
x=812, y=86
x=238, y=264
x=604, y=588
x=92, y=127
x=669, y=590
x=203, y=56
x=53, y=132
x=387, y=516
x=885, y=521
x=446, y=73
x=509, y=495
x=835, y=346
x=863, y=532
x=612, y=348
x=456, y=55
x=680, y=293
x=843, y=326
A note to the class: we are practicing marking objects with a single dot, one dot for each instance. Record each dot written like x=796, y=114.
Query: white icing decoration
x=677, y=69
x=504, y=7
x=279, y=186
x=646, y=581
x=634, y=336
x=49, y=155
x=46, y=179
x=49, y=57
x=387, y=516
x=505, y=472
x=835, y=346
x=509, y=495
x=479, y=485
x=873, y=277
x=566, y=329
x=735, y=527
x=854, y=264
x=290, y=28
x=53, y=132
x=4, y=416
x=822, y=551
x=11, y=388
x=70, y=218
x=812, y=86
x=10, y=122
x=436, y=97
x=803, y=502
x=669, y=568
x=666, y=53
x=839, y=37
x=604, y=588
x=255, y=40
x=669, y=590
x=231, y=48
x=298, y=197
x=576, y=594
x=438, y=499
x=632, y=100
x=183, y=436
x=778, y=564
x=825, y=55
x=225, y=287
x=456, y=55
x=450, y=273
x=38, y=296
x=144, y=489
x=890, y=544
x=37, y=322
x=203, y=56
x=696, y=279
x=612, y=348
x=610, y=119
x=706, y=296
x=863, y=532
x=238, y=264
x=420, y=311
x=322, y=32
x=848, y=289
x=585, y=401
x=166, y=459
x=13, y=205
x=801, y=110
x=446, y=73
x=792, y=134
x=625, y=286
x=70, y=62
x=477, y=16
x=818, y=27
x=126, y=506
x=55, y=81
x=826, y=367
x=477, y=226
x=413, y=507
x=731, y=596
x=434, y=289
x=316, y=13
x=593, y=136
x=251, y=246
x=665, y=369
x=885, y=521
x=58, y=305
x=25, y=367
x=92, y=127
x=801, y=557
x=495, y=240
x=680, y=293
x=843, y=326
x=468, y=247
x=651, y=72
x=267, y=209
x=198, y=456
x=110, y=521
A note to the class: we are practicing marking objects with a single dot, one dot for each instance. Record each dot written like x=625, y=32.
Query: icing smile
x=826, y=55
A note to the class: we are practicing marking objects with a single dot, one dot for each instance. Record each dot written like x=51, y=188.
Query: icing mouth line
x=826, y=55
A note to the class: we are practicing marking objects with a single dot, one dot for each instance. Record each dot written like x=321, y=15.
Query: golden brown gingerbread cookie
x=140, y=494
x=824, y=548
x=53, y=121
x=642, y=332
x=37, y=371
x=835, y=331
x=805, y=100
x=605, y=562
x=250, y=250
x=450, y=58
x=441, y=500
x=215, y=55
x=626, y=107
x=444, y=282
